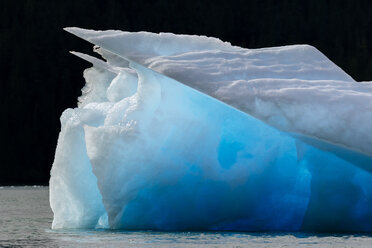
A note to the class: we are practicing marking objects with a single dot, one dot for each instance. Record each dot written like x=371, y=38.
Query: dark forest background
x=39, y=78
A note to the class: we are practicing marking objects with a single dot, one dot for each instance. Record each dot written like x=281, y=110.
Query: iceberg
x=184, y=132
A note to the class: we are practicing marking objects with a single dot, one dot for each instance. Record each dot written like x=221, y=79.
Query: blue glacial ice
x=181, y=132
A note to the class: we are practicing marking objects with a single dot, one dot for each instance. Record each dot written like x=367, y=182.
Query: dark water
x=25, y=221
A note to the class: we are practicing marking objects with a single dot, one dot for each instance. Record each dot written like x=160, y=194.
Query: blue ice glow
x=144, y=151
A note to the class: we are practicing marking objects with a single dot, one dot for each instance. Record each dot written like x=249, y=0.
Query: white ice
x=181, y=132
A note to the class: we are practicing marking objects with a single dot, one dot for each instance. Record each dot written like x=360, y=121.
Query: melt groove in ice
x=181, y=132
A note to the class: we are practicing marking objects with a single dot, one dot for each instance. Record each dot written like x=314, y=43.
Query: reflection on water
x=25, y=220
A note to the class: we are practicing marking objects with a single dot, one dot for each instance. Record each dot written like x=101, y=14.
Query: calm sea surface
x=25, y=221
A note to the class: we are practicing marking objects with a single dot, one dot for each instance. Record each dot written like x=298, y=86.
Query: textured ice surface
x=180, y=132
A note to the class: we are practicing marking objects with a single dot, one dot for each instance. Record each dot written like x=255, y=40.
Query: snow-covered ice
x=182, y=132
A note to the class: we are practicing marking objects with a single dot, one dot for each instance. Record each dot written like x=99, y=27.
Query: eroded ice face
x=172, y=133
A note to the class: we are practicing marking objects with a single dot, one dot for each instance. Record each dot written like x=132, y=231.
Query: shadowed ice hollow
x=182, y=132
